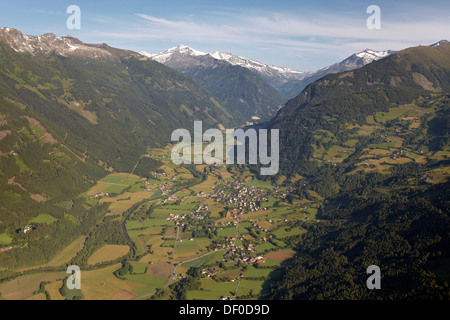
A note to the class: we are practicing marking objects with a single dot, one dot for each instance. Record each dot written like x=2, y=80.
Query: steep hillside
x=294, y=87
x=347, y=101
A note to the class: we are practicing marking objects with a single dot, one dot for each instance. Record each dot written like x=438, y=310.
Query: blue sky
x=303, y=35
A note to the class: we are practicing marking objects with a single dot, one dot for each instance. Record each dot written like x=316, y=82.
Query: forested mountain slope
x=69, y=114
x=374, y=145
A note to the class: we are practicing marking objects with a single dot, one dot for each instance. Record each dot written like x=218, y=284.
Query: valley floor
x=235, y=229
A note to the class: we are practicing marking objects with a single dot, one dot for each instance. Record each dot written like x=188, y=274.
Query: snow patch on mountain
x=49, y=42
x=265, y=70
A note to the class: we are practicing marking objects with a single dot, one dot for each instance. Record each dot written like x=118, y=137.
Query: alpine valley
x=86, y=176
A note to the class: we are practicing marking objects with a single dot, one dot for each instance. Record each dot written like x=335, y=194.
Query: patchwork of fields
x=234, y=229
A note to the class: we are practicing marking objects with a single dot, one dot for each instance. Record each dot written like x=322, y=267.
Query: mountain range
x=287, y=81
x=242, y=91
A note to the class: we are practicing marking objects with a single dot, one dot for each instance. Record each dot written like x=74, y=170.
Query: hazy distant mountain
x=243, y=92
x=276, y=76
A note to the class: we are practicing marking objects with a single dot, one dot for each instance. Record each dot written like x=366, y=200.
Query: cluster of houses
x=245, y=198
x=242, y=255
x=165, y=188
x=176, y=218
x=27, y=229
x=158, y=175
x=101, y=194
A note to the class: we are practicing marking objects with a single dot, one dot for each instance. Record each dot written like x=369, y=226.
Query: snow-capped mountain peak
x=371, y=55
x=437, y=44
x=180, y=50
x=262, y=68
x=184, y=52
x=49, y=42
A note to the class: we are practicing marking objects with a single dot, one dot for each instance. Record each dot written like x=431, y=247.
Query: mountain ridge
x=241, y=90
x=288, y=81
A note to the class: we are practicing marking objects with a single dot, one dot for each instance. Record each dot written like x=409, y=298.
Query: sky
x=301, y=35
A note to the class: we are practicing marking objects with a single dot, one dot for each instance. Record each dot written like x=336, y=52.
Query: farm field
x=43, y=218
x=23, y=287
x=114, y=183
x=211, y=289
x=123, y=202
x=5, y=239
x=67, y=253
x=108, y=253
x=102, y=284
x=250, y=287
x=281, y=255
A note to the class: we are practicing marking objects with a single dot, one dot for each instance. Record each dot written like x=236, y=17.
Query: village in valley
x=221, y=223
x=235, y=229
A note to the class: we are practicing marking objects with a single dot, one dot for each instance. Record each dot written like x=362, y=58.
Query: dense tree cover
x=106, y=232
x=146, y=166
x=402, y=234
x=47, y=240
x=125, y=269
x=70, y=294
x=189, y=283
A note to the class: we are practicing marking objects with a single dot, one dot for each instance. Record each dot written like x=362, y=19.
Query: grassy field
x=226, y=232
x=125, y=201
x=212, y=290
x=148, y=282
x=253, y=272
x=44, y=218
x=286, y=231
x=159, y=253
x=108, y=253
x=101, y=284
x=67, y=253
x=205, y=186
x=259, y=184
x=187, y=249
x=114, y=183
x=247, y=286
x=402, y=111
x=205, y=260
x=22, y=288
x=260, y=248
x=133, y=224
x=5, y=239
